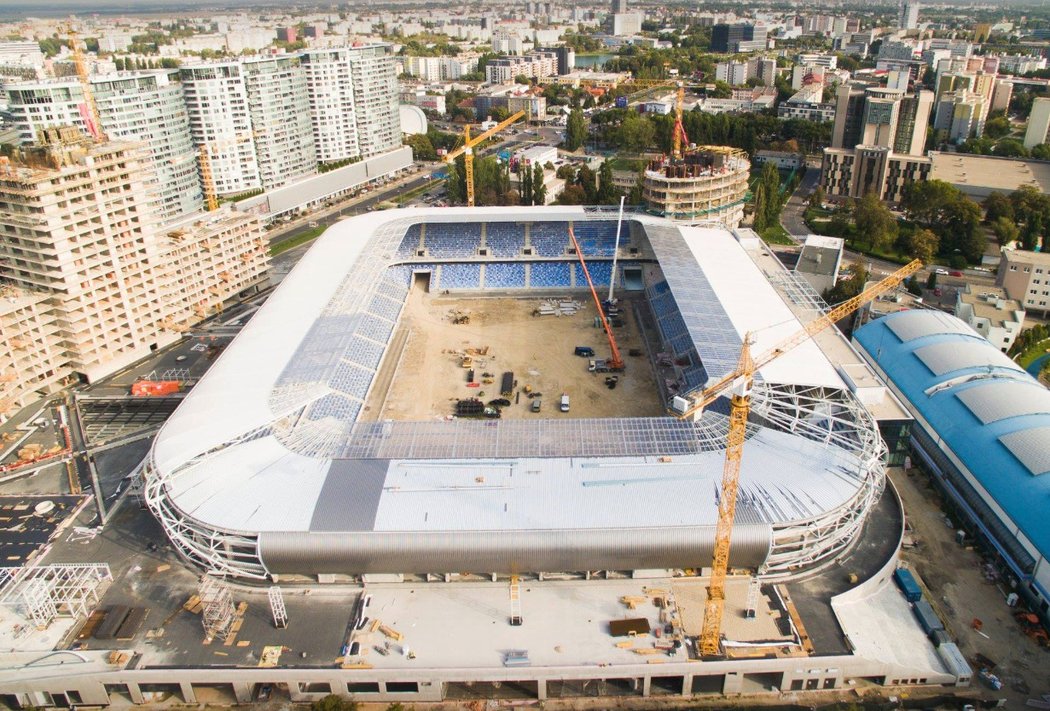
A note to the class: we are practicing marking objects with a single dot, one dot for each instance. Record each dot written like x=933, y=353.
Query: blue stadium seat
x=410, y=242
x=597, y=239
x=460, y=276
x=449, y=240
x=550, y=275
x=504, y=239
x=600, y=273
x=505, y=275
x=549, y=239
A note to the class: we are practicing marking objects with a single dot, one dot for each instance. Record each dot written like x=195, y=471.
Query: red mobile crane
x=615, y=362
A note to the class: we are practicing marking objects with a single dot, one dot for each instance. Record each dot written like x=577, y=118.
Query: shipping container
x=906, y=582
x=956, y=663
x=507, y=384
x=927, y=617
x=939, y=637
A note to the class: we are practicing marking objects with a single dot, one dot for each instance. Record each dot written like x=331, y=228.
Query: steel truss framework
x=42, y=593
x=829, y=416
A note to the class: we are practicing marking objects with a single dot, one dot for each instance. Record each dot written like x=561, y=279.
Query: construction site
x=360, y=497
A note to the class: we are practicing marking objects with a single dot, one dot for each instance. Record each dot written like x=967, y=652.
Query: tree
x=586, y=179
x=1041, y=152
x=572, y=195
x=817, y=197
x=1005, y=230
x=997, y=127
x=525, y=184
x=771, y=182
x=850, y=283
x=998, y=205
x=759, y=222
x=539, y=188
x=636, y=133
x=876, y=225
x=575, y=130
x=923, y=244
x=608, y=193
x=422, y=148
x=522, y=79
x=931, y=280
x=566, y=172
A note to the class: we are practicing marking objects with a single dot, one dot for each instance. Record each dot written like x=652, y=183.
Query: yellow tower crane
x=92, y=120
x=467, y=150
x=738, y=386
x=207, y=176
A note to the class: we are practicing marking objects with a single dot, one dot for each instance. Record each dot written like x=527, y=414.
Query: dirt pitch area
x=423, y=375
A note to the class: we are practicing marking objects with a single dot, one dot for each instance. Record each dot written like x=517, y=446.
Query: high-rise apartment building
x=279, y=108
x=221, y=125
x=908, y=18
x=353, y=101
x=879, y=116
x=618, y=7
x=1038, y=123
x=145, y=107
x=98, y=284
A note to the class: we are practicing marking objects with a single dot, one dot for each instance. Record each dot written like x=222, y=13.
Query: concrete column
x=687, y=685
x=135, y=693
x=186, y=689
x=541, y=689
x=647, y=682
x=242, y=690
x=733, y=683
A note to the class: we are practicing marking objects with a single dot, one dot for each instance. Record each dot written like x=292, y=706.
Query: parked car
x=955, y=273
x=942, y=272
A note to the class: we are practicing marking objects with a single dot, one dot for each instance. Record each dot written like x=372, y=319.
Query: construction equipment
x=89, y=109
x=738, y=385
x=679, y=136
x=207, y=177
x=467, y=150
x=615, y=361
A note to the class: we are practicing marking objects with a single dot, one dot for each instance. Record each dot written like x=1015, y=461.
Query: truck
x=601, y=365
x=584, y=351
x=506, y=388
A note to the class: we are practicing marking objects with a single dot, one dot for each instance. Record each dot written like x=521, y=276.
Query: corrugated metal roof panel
x=1032, y=447
x=998, y=400
x=928, y=323
x=946, y=357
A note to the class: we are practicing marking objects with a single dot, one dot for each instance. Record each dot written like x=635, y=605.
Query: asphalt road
x=791, y=215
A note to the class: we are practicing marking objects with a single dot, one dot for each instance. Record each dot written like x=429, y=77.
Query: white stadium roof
x=244, y=458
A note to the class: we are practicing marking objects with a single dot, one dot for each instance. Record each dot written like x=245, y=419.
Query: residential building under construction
x=102, y=285
x=707, y=184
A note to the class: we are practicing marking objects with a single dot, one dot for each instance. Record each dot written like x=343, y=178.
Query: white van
x=564, y=407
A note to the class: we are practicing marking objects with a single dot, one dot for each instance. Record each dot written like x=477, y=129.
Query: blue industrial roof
x=992, y=415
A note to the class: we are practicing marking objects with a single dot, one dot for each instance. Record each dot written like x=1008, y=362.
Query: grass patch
x=1039, y=349
x=311, y=234
x=775, y=234
x=633, y=165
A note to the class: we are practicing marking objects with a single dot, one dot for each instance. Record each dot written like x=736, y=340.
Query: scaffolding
x=45, y=592
x=218, y=610
x=280, y=615
x=515, y=601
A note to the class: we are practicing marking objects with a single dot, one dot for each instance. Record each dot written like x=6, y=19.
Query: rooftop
x=986, y=409
x=992, y=304
x=1021, y=256
x=981, y=175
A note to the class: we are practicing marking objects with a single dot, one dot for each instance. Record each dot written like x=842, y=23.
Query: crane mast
x=738, y=384
x=92, y=120
x=467, y=150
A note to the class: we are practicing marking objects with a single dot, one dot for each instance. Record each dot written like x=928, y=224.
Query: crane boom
x=616, y=361
x=739, y=384
x=467, y=151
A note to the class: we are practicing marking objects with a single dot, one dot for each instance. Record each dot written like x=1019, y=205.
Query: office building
x=731, y=39
x=855, y=172
x=806, y=104
x=353, y=101
x=279, y=108
x=77, y=227
x=879, y=116
x=1025, y=276
x=287, y=34
x=626, y=24
x=1038, y=123
x=147, y=107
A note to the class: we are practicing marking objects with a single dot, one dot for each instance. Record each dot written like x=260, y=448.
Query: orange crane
x=207, y=178
x=679, y=135
x=738, y=385
x=467, y=150
x=92, y=120
x=615, y=362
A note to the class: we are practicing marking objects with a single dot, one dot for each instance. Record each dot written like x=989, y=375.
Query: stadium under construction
x=501, y=557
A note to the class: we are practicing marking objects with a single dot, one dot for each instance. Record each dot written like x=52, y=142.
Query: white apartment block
x=734, y=73
x=353, y=95
x=507, y=42
x=280, y=117
x=1038, y=123
x=21, y=52
x=144, y=107
x=220, y=123
x=533, y=65
x=99, y=284
x=1025, y=276
x=439, y=68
